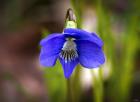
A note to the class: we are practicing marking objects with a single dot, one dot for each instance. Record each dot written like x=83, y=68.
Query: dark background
x=21, y=25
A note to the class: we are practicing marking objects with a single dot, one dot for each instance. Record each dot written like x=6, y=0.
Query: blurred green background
x=23, y=23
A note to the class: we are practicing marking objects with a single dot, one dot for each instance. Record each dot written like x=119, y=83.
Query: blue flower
x=72, y=47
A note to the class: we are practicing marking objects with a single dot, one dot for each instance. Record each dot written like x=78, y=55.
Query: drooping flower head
x=73, y=46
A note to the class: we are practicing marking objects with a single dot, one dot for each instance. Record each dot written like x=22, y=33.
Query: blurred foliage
x=120, y=49
x=55, y=83
x=118, y=24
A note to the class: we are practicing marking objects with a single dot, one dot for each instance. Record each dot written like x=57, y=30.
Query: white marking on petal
x=69, y=50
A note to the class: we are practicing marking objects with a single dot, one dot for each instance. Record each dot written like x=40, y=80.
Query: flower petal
x=51, y=47
x=90, y=55
x=83, y=35
x=50, y=37
x=48, y=61
x=69, y=66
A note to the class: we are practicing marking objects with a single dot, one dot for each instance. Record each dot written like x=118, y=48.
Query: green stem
x=98, y=86
x=69, y=91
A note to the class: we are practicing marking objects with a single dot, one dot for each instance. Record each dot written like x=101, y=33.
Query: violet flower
x=73, y=46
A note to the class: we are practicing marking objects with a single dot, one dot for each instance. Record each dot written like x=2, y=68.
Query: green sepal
x=71, y=24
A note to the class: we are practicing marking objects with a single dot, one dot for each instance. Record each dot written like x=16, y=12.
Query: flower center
x=69, y=51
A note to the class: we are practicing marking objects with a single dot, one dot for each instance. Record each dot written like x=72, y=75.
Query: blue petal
x=51, y=47
x=50, y=37
x=83, y=35
x=69, y=66
x=48, y=61
x=90, y=55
